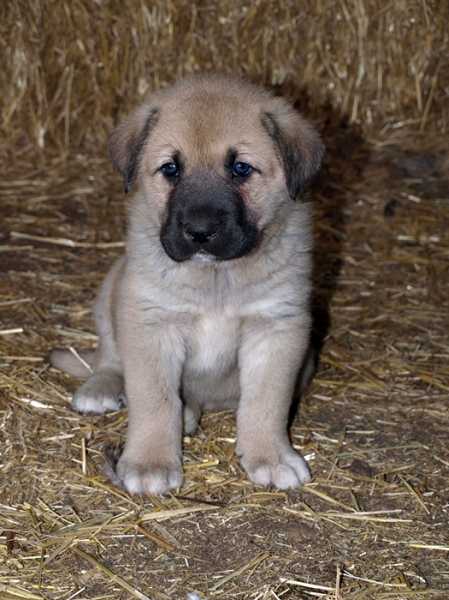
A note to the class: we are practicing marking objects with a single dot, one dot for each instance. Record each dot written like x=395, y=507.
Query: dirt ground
x=373, y=424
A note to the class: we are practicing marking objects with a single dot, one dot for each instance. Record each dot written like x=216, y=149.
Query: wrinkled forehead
x=205, y=125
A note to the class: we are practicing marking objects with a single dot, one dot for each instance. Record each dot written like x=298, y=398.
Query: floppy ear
x=128, y=139
x=298, y=145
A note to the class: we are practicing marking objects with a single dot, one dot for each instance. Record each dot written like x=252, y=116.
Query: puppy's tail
x=71, y=362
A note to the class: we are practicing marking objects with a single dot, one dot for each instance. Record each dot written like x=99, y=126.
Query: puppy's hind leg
x=191, y=417
x=104, y=390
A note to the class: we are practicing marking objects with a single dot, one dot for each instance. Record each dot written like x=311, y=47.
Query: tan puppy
x=209, y=308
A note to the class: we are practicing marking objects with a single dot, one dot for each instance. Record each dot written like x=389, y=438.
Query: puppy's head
x=217, y=160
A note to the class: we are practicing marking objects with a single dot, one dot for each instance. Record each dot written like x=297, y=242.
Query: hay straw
x=359, y=516
x=309, y=586
x=176, y=512
x=373, y=423
x=11, y=331
x=414, y=493
x=80, y=359
x=375, y=450
x=371, y=64
x=65, y=242
x=251, y=565
x=364, y=579
x=429, y=546
x=112, y=576
x=9, y=592
x=156, y=538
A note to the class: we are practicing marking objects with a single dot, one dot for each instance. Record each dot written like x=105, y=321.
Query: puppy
x=209, y=308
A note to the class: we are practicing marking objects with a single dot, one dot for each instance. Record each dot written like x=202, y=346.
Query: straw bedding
x=374, y=423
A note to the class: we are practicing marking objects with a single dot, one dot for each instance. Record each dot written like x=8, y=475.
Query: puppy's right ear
x=128, y=140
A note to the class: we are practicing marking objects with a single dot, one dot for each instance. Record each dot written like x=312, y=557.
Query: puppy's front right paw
x=102, y=392
x=153, y=479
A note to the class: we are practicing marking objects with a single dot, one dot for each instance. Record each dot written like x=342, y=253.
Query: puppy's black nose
x=200, y=231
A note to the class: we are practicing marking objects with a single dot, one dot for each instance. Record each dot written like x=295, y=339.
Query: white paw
x=190, y=421
x=99, y=394
x=154, y=479
x=288, y=470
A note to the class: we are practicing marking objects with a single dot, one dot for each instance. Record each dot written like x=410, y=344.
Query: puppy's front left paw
x=153, y=479
x=286, y=470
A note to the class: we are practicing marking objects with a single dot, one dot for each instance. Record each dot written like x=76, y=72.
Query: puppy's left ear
x=297, y=143
x=128, y=140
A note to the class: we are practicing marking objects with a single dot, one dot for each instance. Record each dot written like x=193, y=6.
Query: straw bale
x=374, y=422
x=67, y=68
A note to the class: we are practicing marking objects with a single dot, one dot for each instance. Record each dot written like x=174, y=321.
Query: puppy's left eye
x=242, y=169
x=170, y=170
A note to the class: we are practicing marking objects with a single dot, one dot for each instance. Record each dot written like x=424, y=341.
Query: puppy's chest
x=213, y=345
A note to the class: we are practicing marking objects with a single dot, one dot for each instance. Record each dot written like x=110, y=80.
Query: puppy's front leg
x=153, y=359
x=269, y=361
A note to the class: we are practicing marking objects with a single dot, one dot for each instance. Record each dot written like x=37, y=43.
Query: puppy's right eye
x=242, y=170
x=170, y=170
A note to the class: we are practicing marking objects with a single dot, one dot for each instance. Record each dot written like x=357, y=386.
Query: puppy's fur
x=209, y=308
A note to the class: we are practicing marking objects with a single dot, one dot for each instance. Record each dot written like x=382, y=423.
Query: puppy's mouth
x=204, y=257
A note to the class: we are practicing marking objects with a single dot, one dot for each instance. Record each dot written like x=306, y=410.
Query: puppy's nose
x=200, y=231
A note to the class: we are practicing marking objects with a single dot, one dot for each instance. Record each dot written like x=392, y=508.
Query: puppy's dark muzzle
x=207, y=215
